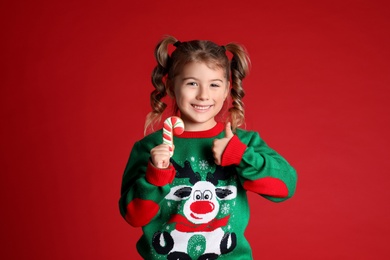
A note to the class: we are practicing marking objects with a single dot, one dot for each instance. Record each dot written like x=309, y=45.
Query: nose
x=202, y=207
x=203, y=93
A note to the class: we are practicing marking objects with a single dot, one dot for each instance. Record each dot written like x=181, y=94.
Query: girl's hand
x=160, y=156
x=219, y=145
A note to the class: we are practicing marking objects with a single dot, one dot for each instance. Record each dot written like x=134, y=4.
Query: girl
x=194, y=205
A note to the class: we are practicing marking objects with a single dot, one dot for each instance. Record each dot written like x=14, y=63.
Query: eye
x=207, y=195
x=197, y=195
x=214, y=85
x=192, y=83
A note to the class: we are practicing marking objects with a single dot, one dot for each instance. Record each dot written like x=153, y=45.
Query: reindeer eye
x=197, y=195
x=207, y=195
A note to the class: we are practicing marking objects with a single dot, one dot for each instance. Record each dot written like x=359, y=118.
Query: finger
x=216, y=162
x=161, y=149
x=166, y=163
x=163, y=164
x=228, y=130
x=164, y=147
x=214, y=143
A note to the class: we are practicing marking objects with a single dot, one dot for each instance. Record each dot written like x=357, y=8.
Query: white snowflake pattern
x=225, y=208
x=198, y=248
x=203, y=165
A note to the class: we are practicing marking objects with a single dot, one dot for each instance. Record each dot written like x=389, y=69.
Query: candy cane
x=172, y=126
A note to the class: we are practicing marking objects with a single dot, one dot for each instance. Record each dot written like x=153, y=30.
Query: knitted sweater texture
x=196, y=209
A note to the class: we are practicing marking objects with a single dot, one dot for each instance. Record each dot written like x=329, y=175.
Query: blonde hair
x=169, y=66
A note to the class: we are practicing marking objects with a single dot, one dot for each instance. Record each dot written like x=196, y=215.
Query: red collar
x=216, y=130
x=183, y=225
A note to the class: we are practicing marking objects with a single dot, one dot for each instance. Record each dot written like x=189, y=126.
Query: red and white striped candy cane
x=172, y=126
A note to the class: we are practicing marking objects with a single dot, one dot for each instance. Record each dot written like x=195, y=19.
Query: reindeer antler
x=220, y=174
x=186, y=172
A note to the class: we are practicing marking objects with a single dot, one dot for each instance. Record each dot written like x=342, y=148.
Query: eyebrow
x=187, y=78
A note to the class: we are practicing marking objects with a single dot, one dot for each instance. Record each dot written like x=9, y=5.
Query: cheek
x=180, y=99
x=225, y=94
x=177, y=94
x=180, y=96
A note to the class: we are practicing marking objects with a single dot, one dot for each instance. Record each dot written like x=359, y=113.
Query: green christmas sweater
x=196, y=209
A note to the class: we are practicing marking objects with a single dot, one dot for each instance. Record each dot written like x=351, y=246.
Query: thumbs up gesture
x=219, y=145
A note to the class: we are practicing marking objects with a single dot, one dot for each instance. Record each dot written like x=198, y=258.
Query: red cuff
x=160, y=177
x=269, y=186
x=233, y=152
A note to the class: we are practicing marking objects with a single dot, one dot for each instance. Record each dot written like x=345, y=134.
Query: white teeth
x=201, y=107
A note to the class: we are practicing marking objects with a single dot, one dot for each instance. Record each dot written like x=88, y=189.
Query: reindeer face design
x=201, y=205
x=202, y=200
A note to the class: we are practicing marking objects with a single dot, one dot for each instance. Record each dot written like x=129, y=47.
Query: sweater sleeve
x=143, y=187
x=260, y=168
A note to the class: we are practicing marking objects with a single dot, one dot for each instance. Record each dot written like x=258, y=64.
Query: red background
x=75, y=83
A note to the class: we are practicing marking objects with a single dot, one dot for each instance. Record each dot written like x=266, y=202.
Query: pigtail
x=239, y=67
x=158, y=78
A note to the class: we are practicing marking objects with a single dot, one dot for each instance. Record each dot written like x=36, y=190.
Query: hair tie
x=223, y=47
x=177, y=44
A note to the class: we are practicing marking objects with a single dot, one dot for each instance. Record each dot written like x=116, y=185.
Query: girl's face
x=200, y=93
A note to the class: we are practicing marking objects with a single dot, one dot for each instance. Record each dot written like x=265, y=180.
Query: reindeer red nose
x=202, y=207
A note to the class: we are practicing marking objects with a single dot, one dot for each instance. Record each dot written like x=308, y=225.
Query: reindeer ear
x=183, y=192
x=226, y=192
x=222, y=193
x=179, y=193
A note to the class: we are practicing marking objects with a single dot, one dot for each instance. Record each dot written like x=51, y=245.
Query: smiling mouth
x=197, y=107
x=195, y=217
